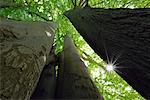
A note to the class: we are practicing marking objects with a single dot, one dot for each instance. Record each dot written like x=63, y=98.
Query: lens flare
x=110, y=67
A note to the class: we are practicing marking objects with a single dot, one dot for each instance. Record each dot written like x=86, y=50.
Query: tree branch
x=147, y=5
x=98, y=3
x=88, y=58
x=4, y=4
x=126, y=4
x=39, y=15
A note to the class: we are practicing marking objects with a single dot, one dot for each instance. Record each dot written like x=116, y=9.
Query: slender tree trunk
x=24, y=51
x=123, y=35
x=74, y=81
x=45, y=88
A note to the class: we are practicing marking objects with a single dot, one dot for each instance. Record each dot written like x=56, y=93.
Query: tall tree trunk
x=123, y=35
x=24, y=50
x=45, y=88
x=74, y=81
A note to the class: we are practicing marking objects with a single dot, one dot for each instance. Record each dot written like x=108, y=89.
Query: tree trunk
x=123, y=35
x=74, y=81
x=45, y=88
x=24, y=50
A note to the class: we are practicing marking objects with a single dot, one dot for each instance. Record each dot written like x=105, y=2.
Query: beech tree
x=24, y=49
x=122, y=38
x=74, y=81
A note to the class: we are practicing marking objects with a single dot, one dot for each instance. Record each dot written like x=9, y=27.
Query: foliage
x=109, y=83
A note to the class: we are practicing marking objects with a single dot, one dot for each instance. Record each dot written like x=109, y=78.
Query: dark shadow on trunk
x=122, y=34
x=74, y=81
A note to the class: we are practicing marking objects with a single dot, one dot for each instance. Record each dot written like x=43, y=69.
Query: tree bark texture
x=45, y=88
x=24, y=50
x=74, y=81
x=123, y=36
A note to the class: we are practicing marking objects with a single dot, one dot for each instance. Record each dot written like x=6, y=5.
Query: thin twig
x=88, y=58
x=74, y=2
x=10, y=4
x=39, y=15
x=97, y=3
x=126, y=4
x=83, y=3
x=146, y=5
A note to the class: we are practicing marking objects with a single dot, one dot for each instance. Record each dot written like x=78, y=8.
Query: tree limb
x=88, y=58
x=10, y=4
x=39, y=15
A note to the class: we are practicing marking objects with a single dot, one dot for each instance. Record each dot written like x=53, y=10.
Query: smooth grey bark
x=74, y=81
x=123, y=35
x=25, y=47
